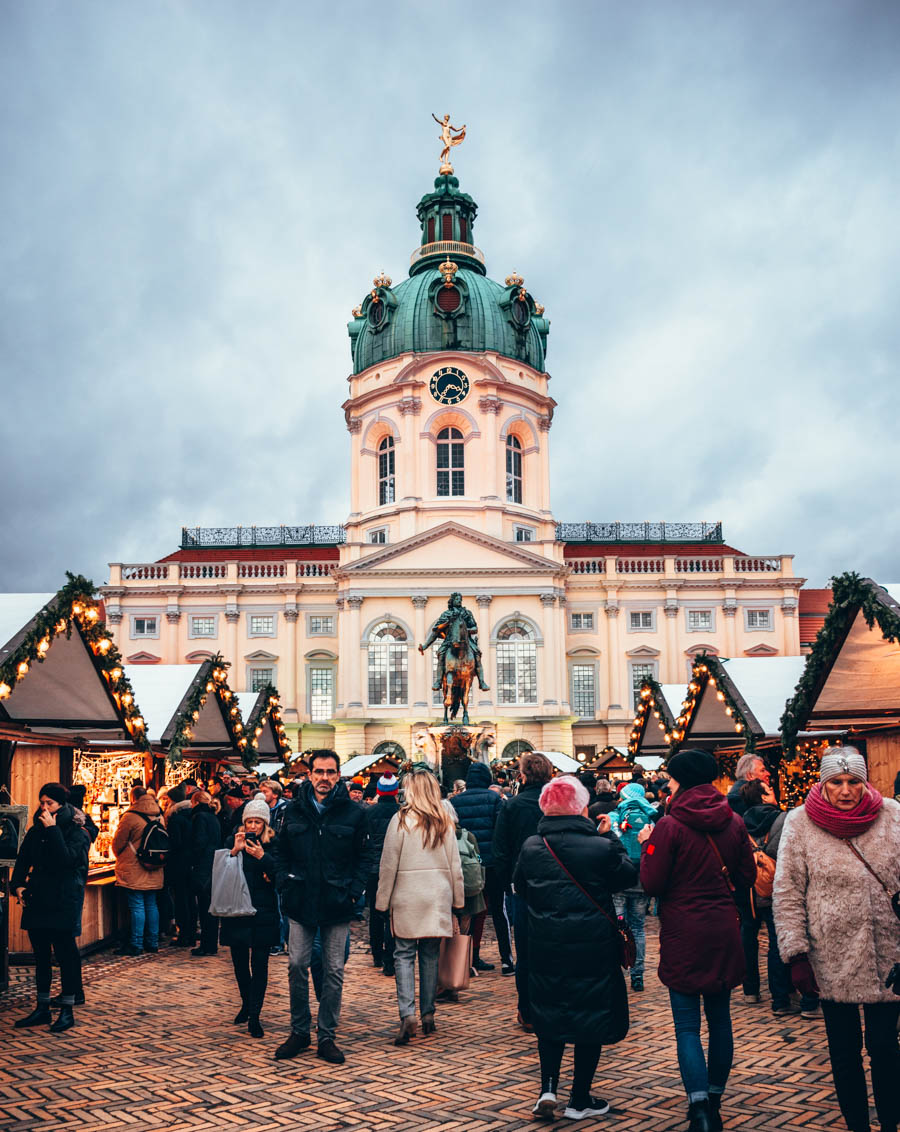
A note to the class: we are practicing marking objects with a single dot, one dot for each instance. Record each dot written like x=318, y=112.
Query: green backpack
x=472, y=868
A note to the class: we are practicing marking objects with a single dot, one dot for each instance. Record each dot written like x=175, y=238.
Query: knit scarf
x=843, y=823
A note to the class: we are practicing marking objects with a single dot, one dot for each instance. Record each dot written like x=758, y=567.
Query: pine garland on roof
x=850, y=594
x=266, y=708
x=215, y=684
x=74, y=607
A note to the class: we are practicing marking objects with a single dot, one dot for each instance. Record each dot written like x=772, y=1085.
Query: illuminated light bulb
x=92, y=614
x=667, y=737
x=127, y=698
x=661, y=726
x=728, y=711
x=210, y=686
x=258, y=731
x=195, y=716
x=77, y=607
x=645, y=692
x=720, y=695
x=23, y=668
x=104, y=645
x=138, y=722
x=115, y=673
x=5, y=691
x=61, y=626
x=656, y=713
x=239, y=727
x=739, y=727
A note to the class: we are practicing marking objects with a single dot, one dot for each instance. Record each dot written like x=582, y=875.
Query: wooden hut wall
x=883, y=755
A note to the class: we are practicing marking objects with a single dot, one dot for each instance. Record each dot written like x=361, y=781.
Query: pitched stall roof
x=171, y=694
x=60, y=673
x=655, y=720
x=733, y=700
x=852, y=675
x=263, y=725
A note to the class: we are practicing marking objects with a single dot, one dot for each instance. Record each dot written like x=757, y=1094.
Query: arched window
x=451, y=462
x=387, y=665
x=513, y=469
x=516, y=664
x=386, y=471
x=389, y=750
x=515, y=748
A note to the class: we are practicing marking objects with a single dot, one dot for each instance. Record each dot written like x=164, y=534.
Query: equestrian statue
x=459, y=657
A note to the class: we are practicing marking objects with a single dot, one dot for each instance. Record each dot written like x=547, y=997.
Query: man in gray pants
x=321, y=862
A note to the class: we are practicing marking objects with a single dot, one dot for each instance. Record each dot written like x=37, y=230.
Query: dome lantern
x=447, y=217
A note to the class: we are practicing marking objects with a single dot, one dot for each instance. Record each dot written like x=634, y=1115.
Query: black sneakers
x=328, y=1051
x=507, y=968
x=595, y=1106
x=480, y=965
x=295, y=1043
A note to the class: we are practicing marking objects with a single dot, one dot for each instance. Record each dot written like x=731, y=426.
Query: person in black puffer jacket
x=178, y=865
x=518, y=820
x=576, y=986
x=322, y=859
x=251, y=937
x=378, y=818
x=478, y=808
x=206, y=838
x=48, y=879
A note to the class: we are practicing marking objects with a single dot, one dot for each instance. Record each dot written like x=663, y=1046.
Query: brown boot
x=407, y=1030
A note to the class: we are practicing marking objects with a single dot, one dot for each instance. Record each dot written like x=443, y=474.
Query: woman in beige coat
x=140, y=884
x=838, y=866
x=421, y=882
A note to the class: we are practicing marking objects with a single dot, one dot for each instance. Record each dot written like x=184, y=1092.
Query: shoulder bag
x=627, y=946
x=894, y=897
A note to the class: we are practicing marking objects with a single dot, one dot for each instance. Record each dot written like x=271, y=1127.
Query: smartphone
x=254, y=837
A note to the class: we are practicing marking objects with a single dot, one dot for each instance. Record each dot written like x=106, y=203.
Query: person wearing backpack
x=139, y=846
x=628, y=819
x=765, y=822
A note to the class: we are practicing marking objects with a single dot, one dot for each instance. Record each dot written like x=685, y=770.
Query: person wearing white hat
x=251, y=937
x=836, y=903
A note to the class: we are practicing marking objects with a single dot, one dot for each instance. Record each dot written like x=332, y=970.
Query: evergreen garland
x=266, y=709
x=850, y=595
x=74, y=607
x=211, y=680
x=709, y=669
x=652, y=701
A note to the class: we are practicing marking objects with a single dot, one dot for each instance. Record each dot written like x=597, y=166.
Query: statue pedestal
x=446, y=169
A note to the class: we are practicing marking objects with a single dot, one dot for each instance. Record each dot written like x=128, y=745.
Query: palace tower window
x=386, y=471
x=451, y=462
x=513, y=469
x=516, y=664
x=388, y=682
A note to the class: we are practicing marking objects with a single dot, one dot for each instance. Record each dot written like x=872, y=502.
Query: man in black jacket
x=516, y=822
x=378, y=818
x=478, y=807
x=322, y=862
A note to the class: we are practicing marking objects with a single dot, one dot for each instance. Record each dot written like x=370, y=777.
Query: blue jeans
x=405, y=967
x=316, y=968
x=334, y=939
x=703, y=1075
x=144, y=913
x=632, y=904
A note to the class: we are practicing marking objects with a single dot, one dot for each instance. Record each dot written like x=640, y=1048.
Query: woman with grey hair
x=836, y=904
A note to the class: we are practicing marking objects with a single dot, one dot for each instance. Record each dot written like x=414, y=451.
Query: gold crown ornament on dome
x=382, y=280
x=357, y=312
x=448, y=269
x=538, y=309
x=514, y=280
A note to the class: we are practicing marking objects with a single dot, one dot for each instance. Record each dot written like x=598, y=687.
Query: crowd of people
x=567, y=867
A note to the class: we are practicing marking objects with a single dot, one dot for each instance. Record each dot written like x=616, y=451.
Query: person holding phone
x=251, y=937
x=48, y=881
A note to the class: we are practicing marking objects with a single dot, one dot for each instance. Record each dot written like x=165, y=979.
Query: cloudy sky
x=195, y=193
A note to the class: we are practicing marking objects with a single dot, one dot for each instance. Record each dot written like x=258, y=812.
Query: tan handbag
x=455, y=960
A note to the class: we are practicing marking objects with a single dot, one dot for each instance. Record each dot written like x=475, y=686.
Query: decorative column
x=232, y=617
x=420, y=696
x=790, y=627
x=615, y=661
x=407, y=477
x=354, y=602
x=173, y=617
x=562, y=668
x=670, y=667
x=341, y=694
x=544, y=424
x=484, y=643
x=547, y=673
x=354, y=426
x=288, y=685
x=113, y=621
x=491, y=407
x=729, y=608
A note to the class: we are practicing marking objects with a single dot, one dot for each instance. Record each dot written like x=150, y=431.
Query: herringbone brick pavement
x=154, y=1048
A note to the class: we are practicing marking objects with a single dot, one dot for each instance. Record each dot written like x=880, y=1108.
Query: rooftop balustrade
x=448, y=248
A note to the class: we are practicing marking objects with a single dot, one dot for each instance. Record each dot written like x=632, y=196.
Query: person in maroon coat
x=693, y=860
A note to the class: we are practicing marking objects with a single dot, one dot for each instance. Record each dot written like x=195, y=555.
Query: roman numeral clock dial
x=449, y=385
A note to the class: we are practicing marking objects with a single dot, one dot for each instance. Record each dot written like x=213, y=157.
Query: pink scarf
x=843, y=823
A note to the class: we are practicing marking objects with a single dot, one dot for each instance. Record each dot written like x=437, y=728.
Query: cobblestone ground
x=154, y=1048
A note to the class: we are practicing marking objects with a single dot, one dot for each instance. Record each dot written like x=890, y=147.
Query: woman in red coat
x=693, y=860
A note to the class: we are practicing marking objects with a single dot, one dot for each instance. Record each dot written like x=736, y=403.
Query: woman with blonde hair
x=421, y=882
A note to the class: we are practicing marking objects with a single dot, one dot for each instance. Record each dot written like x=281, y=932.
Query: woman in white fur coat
x=838, y=866
x=421, y=881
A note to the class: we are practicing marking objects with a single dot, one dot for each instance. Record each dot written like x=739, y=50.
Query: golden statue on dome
x=450, y=136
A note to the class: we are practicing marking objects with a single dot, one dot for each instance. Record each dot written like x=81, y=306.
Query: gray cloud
x=196, y=194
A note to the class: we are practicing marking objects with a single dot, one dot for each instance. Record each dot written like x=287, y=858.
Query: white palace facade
x=449, y=414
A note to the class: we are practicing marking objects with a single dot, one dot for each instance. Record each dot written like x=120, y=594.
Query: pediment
x=143, y=658
x=452, y=548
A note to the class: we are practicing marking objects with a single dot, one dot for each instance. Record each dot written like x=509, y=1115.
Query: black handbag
x=627, y=946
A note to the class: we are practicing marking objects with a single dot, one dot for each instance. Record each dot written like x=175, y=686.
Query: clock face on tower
x=449, y=385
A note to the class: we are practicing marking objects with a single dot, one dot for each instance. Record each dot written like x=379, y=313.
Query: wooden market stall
x=651, y=732
x=264, y=728
x=62, y=687
x=613, y=763
x=851, y=681
x=733, y=707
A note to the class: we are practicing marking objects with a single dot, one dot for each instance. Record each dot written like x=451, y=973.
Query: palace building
x=449, y=417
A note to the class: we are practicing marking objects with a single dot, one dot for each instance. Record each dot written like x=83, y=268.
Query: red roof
x=255, y=554
x=811, y=613
x=645, y=549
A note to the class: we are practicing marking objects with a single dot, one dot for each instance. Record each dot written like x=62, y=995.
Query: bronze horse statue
x=459, y=671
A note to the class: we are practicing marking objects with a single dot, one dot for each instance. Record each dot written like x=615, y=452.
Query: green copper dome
x=448, y=303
